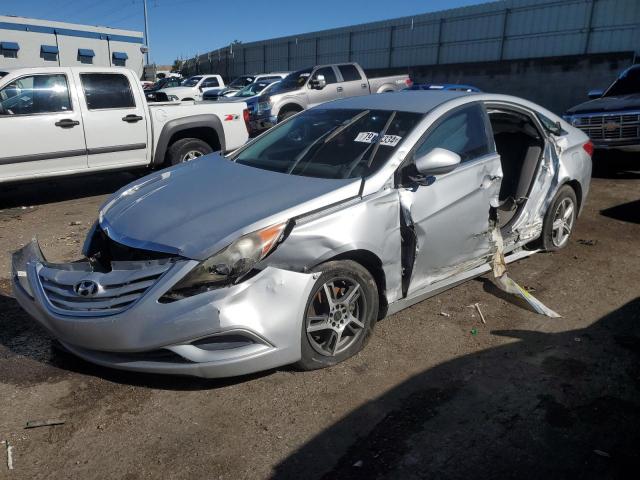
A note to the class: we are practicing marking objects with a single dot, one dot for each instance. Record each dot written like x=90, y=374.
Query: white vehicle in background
x=193, y=87
x=57, y=121
x=243, y=81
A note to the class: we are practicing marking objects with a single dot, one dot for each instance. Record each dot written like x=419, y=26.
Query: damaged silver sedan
x=290, y=249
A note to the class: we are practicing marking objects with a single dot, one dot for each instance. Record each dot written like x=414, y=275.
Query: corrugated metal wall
x=503, y=30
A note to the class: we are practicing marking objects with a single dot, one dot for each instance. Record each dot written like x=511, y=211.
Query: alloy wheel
x=563, y=220
x=191, y=155
x=334, y=318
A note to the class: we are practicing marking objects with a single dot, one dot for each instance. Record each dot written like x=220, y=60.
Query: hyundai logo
x=86, y=288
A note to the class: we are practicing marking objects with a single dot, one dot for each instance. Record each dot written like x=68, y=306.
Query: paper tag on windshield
x=366, y=137
x=390, y=140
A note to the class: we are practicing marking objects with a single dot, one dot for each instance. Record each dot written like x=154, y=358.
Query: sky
x=184, y=28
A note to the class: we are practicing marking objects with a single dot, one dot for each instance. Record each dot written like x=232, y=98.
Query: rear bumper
x=190, y=336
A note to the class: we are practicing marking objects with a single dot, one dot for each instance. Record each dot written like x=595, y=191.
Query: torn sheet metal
x=506, y=284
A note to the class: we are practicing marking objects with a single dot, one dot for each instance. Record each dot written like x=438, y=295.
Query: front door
x=115, y=116
x=451, y=215
x=331, y=91
x=41, y=128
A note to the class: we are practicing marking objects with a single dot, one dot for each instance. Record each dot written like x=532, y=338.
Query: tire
x=286, y=114
x=549, y=239
x=187, y=149
x=341, y=338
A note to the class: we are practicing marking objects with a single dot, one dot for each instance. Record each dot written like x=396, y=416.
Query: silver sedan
x=290, y=249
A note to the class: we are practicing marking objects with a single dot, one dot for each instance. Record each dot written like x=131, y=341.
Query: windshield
x=191, y=81
x=241, y=82
x=293, y=81
x=627, y=84
x=331, y=143
x=254, y=89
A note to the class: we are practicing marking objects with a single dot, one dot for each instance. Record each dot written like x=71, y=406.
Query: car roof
x=418, y=101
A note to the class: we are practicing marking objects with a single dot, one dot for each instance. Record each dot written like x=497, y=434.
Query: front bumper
x=197, y=335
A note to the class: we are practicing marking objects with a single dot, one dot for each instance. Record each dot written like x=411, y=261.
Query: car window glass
x=332, y=143
x=328, y=73
x=35, y=94
x=107, y=90
x=349, y=73
x=463, y=132
x=210, y=82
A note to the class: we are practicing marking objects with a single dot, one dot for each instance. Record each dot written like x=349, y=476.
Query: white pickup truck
x=192, y=88
x=69, y=120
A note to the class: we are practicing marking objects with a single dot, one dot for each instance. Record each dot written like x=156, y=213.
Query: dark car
x=612, y=118
x=443, y=86
x=153, y=94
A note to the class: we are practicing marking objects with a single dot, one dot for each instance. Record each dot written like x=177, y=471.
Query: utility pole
x=146, y=29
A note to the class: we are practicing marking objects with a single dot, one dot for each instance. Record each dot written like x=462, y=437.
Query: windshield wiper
x=326, y=137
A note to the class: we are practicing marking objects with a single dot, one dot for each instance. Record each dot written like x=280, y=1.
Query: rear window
x=107, y=90
x=349, y=73
x=331, y=143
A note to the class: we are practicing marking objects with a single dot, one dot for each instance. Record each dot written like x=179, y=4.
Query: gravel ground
x=525, y=397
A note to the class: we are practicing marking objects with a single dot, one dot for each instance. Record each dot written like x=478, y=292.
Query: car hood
x=197, y=208
x=178, y=90
x=608, y=104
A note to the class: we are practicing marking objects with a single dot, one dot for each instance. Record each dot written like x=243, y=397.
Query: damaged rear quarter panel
x=371, y=224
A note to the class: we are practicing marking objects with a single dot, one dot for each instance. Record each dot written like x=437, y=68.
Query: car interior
x=520, y=145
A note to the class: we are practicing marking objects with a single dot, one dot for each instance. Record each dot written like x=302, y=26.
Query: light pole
x=146, y=29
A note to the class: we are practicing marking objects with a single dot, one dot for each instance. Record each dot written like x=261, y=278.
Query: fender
x=285, y=103
x=179, y=124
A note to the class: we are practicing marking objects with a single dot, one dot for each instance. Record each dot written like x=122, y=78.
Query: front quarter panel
x=371, y=224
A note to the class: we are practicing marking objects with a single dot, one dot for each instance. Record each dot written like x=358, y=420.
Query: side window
x=210, y=82
x=35, y=94
x=107, y=90
x=328, y=73
x=463, y=132
x=349, y=73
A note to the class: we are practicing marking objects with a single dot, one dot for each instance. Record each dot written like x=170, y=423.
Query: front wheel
x=559, y=220
x=340, y=314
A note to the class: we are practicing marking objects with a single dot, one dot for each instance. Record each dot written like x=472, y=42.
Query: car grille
x=82, y=291
x=610, y=127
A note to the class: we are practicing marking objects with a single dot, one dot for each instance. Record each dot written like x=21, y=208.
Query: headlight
x=234, y=261
x=264, y=106
x=172, y=98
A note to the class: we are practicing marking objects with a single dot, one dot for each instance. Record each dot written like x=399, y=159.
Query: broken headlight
x=232, y=262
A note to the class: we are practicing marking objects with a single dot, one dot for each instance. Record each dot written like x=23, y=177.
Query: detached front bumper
x=235, y=330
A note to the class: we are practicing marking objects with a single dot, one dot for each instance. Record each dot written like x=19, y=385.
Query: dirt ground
x=526, y=396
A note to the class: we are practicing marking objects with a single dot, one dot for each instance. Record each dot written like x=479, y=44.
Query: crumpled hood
x=197, y=208
x=608, y=104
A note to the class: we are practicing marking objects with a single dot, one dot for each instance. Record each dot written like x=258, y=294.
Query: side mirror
x=318, y=83
x=437, y=162
x=595, y=93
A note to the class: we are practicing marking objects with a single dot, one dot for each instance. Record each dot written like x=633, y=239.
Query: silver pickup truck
x=311, y=86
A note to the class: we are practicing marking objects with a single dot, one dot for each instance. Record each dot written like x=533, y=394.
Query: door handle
x=340, y=89
x=67, y=123
x=132, y=118
x=363, y=85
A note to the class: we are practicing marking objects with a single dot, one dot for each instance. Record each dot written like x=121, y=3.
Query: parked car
x=612, y=118
x=151, y=93
x=69, y=120
x=443, y=86
x=244, y=81
x=290, y=249
x=193, y=87
x=252, y=95
x=312, y=86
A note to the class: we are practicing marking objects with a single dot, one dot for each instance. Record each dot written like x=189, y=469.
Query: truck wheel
x=286, y=114
x=187, y=149
x=340, y=314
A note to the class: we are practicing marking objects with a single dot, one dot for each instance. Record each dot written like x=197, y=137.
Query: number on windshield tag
x=366, y=137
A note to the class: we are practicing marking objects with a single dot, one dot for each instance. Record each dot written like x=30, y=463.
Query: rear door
x=331, y=91
x=451, y=215
x=116, y=119
x=41, y=126
x=353, y=82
